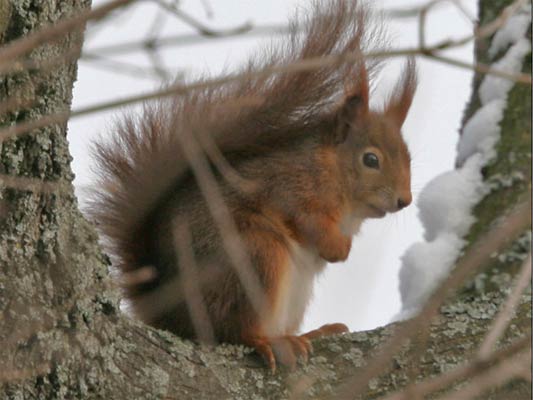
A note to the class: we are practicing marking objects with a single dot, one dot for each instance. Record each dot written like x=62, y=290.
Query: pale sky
x=362, y=292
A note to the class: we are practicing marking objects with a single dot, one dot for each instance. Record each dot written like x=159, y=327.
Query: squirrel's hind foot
x=283, y=350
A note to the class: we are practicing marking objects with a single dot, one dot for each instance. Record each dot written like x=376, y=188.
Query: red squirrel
x=320, y=162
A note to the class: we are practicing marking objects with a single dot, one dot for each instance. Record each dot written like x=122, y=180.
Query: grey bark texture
x=64, y=337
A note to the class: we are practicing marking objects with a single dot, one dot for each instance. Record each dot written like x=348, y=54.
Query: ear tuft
x=354, y=108
x=352, y=112
x=403, y=94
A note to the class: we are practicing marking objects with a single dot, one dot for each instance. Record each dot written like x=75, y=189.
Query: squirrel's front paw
x=335, y=249
x=284, y=350
x=326, y=330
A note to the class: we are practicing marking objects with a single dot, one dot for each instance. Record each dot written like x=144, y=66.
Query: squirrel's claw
x=283, y=350
x=264, y=348
x=301, y=346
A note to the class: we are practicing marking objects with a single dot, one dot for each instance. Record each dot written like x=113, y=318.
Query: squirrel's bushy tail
x=142, y=160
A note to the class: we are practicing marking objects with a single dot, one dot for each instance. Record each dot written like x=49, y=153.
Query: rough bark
x=63, y=335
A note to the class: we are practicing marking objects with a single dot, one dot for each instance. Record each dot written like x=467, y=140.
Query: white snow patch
x=428, y=263
x=453, y=193
x=481, y=132
x=515, y=29
x=446, y=203
x=494, y=87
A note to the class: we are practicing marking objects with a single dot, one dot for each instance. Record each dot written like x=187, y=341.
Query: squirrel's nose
x=404, y=201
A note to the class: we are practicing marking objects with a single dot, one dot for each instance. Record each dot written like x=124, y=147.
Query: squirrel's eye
x=371, y=160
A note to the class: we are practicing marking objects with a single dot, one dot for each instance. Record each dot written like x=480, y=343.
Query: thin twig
x=313, y=63
x=17, y=48
x=299, y=66
x=124, y=68
x=158, y=64
x=194, y=23
x=184, y=40
x=169, y=294
x=48, y=64
x=504, y=316
x=208, y=9
x=485, y=355
x=12, y=374
x=191, y=287
x=477, y=256
x=493, y=377
x=14, y=103
x=424, y=11
x=485, y=31
x=491, y=27
x=136, y=277
x=62, y=117
x=481, y=68
x=35, y=185
x=229, y=173
x=231, y=238
x=467, y=371
x=414, y=12
x=304, y=65
x=28, y=126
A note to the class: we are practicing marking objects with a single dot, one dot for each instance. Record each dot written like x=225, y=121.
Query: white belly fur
x=296, y=291
x=297, y=284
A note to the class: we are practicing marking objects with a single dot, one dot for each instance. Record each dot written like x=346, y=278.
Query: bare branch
x=35, y=185
x=414, y=12
x=103, y=62
x=231, y=239
x=13, y=50
x=471, y=369
x=168, y=294
x=494, y=377
x=10, y=375
x=208, y=9
x=504, y=316
x=43, y=65
x=62, y=117
x=226, y=170
x=25, y=127
x=155, y=58
x=481, y=68
x=191, y=287
x=295, y=67
x=136, y=277
x=312, y=63
x=490, y=28
x=485, y=31
x=14, y=103
x=184, y=40
x=193, y=22
x=478, y=255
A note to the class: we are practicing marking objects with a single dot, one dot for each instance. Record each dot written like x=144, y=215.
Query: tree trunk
x=63, y=335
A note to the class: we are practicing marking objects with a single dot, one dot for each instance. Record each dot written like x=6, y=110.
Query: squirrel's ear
x=403, y=94
x=355, y=105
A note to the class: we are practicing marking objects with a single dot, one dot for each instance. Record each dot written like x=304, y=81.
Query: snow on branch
x=455, y=193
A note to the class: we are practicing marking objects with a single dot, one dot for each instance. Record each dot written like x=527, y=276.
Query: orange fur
x=320, y=161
